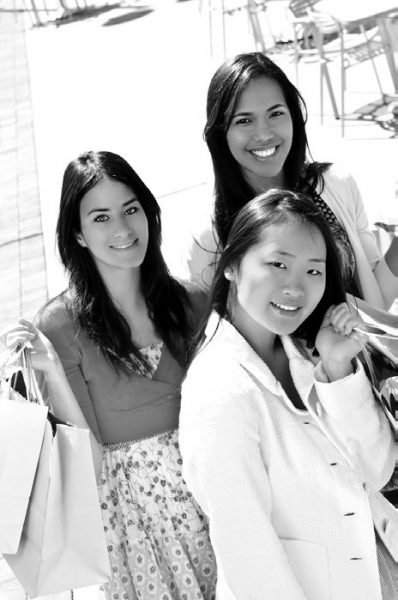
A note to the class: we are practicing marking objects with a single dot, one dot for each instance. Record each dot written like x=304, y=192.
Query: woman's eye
x=242, y=121
x=314, y=272
x=277, y=113
x=278, y=265
x=131, y=210
x=101, y=218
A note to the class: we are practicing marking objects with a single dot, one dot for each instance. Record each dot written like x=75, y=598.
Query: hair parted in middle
x=232, y=190
x=273, y=208
x=92, y=307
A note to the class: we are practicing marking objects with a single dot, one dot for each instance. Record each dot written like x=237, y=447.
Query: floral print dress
x=157, y=536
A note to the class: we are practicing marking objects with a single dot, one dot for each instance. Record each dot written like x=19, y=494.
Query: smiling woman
x=114, y=227
x=260, y=133
x=120, y=333
x=280, y=280
x=283, y=444
x=256, y=135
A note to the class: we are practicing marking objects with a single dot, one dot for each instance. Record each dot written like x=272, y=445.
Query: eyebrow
x=283, y=253
x=246, y=113
x=127, y=203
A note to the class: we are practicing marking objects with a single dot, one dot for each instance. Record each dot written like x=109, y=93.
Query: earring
x=228, y=275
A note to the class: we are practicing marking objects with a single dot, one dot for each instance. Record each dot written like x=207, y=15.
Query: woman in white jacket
x=283, y=444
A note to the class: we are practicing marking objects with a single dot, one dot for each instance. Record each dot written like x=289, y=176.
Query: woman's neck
x=260, y=339
x=124, y=287
x=263, y=184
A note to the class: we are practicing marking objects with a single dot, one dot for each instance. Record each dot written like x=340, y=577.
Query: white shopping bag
x=63, y=542
x=22, y=426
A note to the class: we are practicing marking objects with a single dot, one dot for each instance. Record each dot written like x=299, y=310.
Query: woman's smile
x=125, y=246
x=263, y=154
x=285, y=309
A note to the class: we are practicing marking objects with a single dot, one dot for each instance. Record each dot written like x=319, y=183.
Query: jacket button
x=349, y=514
x=356, y=558
x=333, y=464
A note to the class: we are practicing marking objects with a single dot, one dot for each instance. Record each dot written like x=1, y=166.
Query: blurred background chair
x=321, y=37
x=224, y=17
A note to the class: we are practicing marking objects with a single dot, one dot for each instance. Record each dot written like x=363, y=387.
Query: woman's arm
x=391, y=256
x=223, y=467
x=201, y=256
x=44, y=359
x=57, y=327
x=385, y=268
x=346, y=395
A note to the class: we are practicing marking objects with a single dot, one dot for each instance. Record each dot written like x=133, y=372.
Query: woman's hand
x=337, y=342
x=44, y=358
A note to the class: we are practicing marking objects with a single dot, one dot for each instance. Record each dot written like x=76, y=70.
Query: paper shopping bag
x=380, y=355
x=63, y=544
x=22, y=426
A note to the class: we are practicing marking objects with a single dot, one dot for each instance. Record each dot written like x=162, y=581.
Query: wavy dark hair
x=92, y=307
x=274, y=207
x=232, y=190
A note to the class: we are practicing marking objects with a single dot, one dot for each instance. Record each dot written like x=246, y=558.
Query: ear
x=80, y=240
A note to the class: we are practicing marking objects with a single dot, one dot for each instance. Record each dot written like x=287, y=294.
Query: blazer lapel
x=301, y=368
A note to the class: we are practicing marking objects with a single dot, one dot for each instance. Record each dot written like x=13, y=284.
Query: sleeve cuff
x=344, y=395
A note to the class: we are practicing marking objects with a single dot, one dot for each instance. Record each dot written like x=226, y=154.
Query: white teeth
x=123, y=246
x=264, y=153
x=284, y=307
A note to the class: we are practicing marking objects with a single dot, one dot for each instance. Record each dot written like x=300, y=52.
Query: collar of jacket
x=303, y=371
x=301, y=368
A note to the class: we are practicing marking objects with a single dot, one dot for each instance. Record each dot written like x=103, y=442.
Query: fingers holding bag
x=25, y=335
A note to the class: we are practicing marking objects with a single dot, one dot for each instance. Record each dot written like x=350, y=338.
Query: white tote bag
x=22, y=425
x=63, y=542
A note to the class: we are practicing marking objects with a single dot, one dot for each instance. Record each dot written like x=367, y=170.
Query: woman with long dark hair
x=121, y=331
x=255, y=132
x=283, y=443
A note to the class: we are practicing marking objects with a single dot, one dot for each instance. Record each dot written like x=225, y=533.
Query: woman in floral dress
x=119, y=333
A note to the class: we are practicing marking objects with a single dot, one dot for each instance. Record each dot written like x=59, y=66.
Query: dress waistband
x=124, y=445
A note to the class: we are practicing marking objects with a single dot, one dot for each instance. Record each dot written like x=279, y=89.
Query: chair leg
x=325, y=74
x=324, y=71
x=388, y=50
x=255, y=26
x=330, y=90
x=296, y=56
x=321, y=89
x=363, y=31
x=343, y=82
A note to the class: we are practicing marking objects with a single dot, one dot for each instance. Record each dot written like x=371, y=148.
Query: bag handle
x=33, y=393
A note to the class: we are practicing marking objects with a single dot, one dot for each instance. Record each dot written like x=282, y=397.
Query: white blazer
x=286, y=490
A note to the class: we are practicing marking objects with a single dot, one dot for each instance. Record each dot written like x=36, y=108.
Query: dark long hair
x=274, y=207
x=92, y=307
x=232, y=190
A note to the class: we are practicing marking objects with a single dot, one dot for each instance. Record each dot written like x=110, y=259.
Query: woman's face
x=280, y=280
x=114, y=227
x=260, y=134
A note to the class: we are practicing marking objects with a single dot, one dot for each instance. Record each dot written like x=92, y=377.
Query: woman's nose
x=293, y=287
x=263, y=132
x=122, y=227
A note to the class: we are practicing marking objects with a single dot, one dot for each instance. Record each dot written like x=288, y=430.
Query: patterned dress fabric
x=157, y=536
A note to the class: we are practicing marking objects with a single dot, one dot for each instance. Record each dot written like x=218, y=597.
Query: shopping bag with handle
x=62, y=544
x=22, y=425
x=380, y=355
